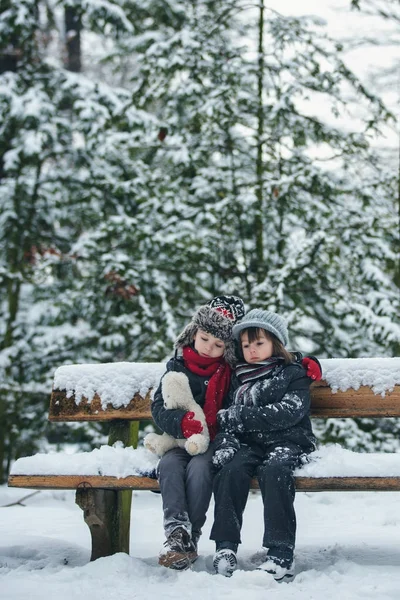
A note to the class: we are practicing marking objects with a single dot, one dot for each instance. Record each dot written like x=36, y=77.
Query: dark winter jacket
x=280, y=412
x=169, y=420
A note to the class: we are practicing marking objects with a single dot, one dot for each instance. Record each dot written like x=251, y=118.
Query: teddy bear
x=177, y=394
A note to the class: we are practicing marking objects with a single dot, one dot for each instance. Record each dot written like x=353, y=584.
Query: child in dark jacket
x=265, y=432
x=205, y=353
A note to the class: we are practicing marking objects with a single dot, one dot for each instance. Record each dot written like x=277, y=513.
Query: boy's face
x=207, y=345
x=257, y=351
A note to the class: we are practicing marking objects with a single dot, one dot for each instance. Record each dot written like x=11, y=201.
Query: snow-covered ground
x=348, y=548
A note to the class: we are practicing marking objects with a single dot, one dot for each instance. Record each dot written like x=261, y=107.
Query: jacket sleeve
x=224, y=440
x=291, y=406
x=168, y=420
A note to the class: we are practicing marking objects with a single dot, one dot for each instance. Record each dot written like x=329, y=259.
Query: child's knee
x=274, y=471
x=201, y=470
x=172, y=461
x=234, y=471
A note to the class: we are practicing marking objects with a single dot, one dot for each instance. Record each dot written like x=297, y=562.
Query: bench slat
x=65, y=409
x=305, y=484
x=324, y=404
x=353, y=403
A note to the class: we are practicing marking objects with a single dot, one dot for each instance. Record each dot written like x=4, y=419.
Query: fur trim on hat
x=211, y=321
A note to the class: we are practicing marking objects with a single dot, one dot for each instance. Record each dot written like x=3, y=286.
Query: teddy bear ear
x=176, y=390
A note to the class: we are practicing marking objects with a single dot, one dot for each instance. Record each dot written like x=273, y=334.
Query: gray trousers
x=186, y=487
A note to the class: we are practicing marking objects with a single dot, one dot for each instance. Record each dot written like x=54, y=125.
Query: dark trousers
x=186, y=487
x=274, y=471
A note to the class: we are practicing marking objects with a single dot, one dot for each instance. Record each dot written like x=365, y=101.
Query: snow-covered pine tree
x=270, y=143
x=385, y=15
x=134, y=267
x=65, y=143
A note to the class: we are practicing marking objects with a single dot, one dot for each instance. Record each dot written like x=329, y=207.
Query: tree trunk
x=258, y=222
x=3, y=428
x=73, y=28
x=9, y=57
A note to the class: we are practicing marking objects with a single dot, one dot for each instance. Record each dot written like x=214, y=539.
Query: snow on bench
x=328, y=461
x=117, y=383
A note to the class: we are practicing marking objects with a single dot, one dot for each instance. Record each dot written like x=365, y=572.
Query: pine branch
x=21, y=500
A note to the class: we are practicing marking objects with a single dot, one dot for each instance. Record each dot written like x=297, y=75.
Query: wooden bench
x=106, y=499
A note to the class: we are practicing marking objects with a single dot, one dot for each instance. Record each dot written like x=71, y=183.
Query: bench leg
x=107, y=514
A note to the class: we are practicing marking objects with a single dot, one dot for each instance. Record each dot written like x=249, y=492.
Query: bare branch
x=21, y=500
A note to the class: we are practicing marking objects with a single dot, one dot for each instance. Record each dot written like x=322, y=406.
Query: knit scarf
x=249, y=374
x=219, y=373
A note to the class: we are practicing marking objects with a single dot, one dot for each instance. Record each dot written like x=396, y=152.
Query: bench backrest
x=324, y=404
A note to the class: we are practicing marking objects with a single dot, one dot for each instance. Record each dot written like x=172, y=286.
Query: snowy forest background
x=154, y=153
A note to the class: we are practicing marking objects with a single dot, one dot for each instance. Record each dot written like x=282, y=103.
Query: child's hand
x=222, y=457
x=230, y=419
x=189, y=425
x=312, y=367
x=223, y=419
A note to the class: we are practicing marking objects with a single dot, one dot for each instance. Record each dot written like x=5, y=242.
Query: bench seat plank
x=305, y=484
x=324, y=404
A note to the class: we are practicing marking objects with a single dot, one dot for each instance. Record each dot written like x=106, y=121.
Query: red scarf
x=219, y=373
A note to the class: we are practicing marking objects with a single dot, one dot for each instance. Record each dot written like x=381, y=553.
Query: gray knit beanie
x=266, y=320
x=217, y=317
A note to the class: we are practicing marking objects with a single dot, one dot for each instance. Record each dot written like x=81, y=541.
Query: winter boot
x=179, y=551
x=279, y=564
x=224, y=560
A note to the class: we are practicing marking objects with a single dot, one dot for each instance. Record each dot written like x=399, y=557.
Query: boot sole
x=286, y=577
x=179, y=561
x=223, y=566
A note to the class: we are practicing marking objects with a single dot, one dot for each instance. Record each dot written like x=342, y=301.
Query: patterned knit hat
x=217, y=317
x=266, y=320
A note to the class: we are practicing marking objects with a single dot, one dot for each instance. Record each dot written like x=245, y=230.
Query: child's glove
x=226, y=447
x=189, y=425
x=222, y=457
x=313, y=367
